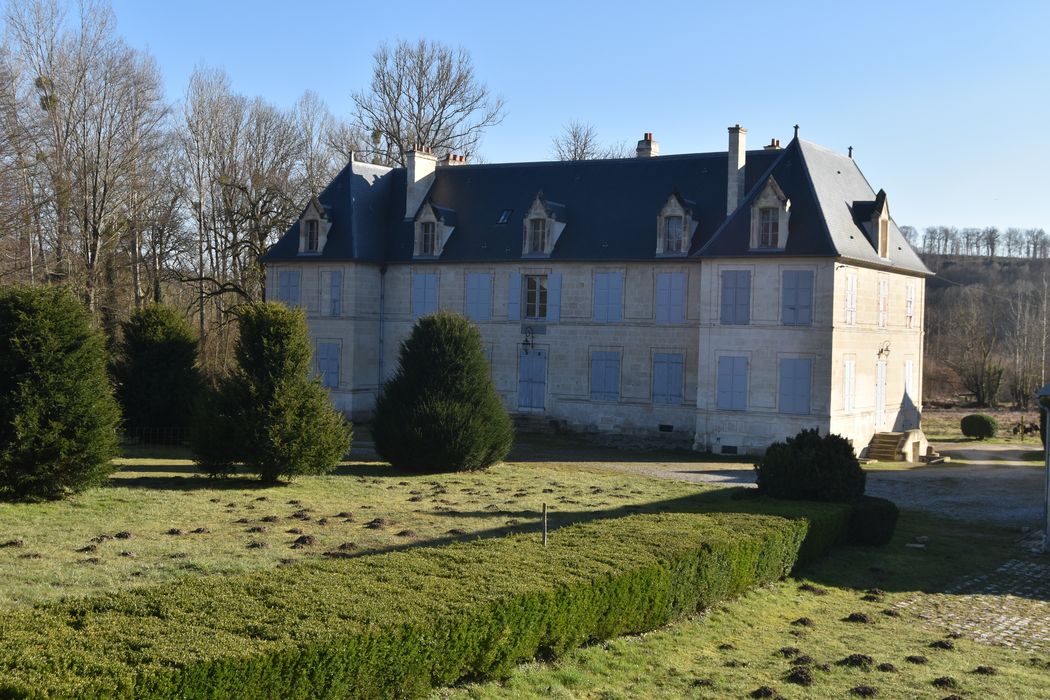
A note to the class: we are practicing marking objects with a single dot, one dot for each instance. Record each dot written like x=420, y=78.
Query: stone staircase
x=886, y=447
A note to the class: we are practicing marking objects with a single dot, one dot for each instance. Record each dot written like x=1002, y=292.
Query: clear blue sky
x=947, y=104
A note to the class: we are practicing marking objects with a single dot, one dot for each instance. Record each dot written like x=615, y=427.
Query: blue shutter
x=786, y=400
x=725, y=383
x=514, y=296
x=728, y=296
x=804, y=297
x=597, y=376
x=789, y=298
x=601, y=297
x=663, y=297
x=554, y=297
x=795, y=376
x=667, y=378
x=614, y=303
x=419, y=303
x=336, y=291
x=676, y=298
x=675, y=370
x=479, y=296
x=328, y=364
x=742, y=313
x=605, y=376
x=803, y=374
x=431, y=288
x=659, y=379
x=740, y=383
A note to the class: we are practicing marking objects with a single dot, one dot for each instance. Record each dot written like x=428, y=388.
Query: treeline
x=987, y=330
x=107, y=187
x=987, y=242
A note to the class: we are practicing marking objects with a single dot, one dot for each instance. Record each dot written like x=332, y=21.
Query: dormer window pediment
x=675, y=226
x=314, y=226
x=433, y=227
x=770, y=213
x=543, y=224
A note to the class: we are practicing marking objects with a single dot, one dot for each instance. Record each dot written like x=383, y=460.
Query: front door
x=880, y=394
x=532, y=379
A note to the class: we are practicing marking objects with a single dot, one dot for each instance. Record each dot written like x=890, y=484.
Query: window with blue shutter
x=667, y=378
x=288, y=287
x=554, y=296
x=795, y=385
x=605, y=375
x=736, y=297
x=331, y=293
x=732, y=383
x=670, y=297
x=608, y=296
x=479, y=296
x=327, y=361
x=424, y=293
x=796, y=298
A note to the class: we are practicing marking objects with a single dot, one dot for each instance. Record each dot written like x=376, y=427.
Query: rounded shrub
x=872, y=521
x=269, y=414
x=440, y=411
x=156, y=373
x=58, y=418
x=809, y=467
x=979, y=425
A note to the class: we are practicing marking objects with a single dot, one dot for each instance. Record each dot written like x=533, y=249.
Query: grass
x=942, y=425
x=688, y=659
x=150, y=497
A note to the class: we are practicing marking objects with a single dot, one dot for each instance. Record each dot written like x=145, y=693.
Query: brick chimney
x=420, y=164
x=647, y=147
x=452, y=159
x=735, y=174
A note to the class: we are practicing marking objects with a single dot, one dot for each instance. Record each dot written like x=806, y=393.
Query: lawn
x=942, y=425
x=158, y=519
x=751, y=642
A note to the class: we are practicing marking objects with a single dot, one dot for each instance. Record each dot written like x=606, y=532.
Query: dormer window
x=768, y=227
x=770, y=212
x=314, y=226
x=428, y=244
x=537, y=237
x=884, y=234
x=433, y=226
x=674, y=226
x=675, y=235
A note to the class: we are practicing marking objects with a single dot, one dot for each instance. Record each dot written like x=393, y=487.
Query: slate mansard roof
x=609, y=207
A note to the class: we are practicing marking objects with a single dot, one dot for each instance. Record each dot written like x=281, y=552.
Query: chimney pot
x=647, y=147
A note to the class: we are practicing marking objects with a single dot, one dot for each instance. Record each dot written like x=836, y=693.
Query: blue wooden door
x=532, y=379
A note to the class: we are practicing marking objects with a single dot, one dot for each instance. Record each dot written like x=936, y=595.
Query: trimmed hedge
x=873, y=521
x=398, y=624
x=979, y=425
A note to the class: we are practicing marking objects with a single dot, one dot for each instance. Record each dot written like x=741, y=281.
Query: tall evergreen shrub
x=270, y=414
x=440, y=411
x=156, y=373
x=809, y=467
x=58, y=417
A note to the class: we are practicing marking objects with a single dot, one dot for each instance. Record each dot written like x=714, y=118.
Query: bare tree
x=424, y=94
x=966, y=335
x=579, y=141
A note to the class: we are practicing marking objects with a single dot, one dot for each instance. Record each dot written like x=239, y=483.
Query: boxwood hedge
x=400, y=623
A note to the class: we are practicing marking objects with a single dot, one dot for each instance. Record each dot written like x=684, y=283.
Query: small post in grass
x=544, y=524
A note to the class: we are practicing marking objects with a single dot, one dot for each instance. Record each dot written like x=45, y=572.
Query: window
x=736, y=297
x=332, y=293
x=327, y=362
x=537, y=238
x=768, y=227
x=288, y=287
x=424, y=293
x=732, y=383
x=536, y=296
x=667, y=378
x=795, y=383
x=605, y=375
x=909, y=306
x=670, y=297
x=851, y=299
x=909, y=388
x=796, y=298
x=608, y=296
x=884, y=302
x=312, y=238
x=479, y=296
x=428, y=238
x=849, y=385
x=504, y=216
x=675, y=235
x=884, y=232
